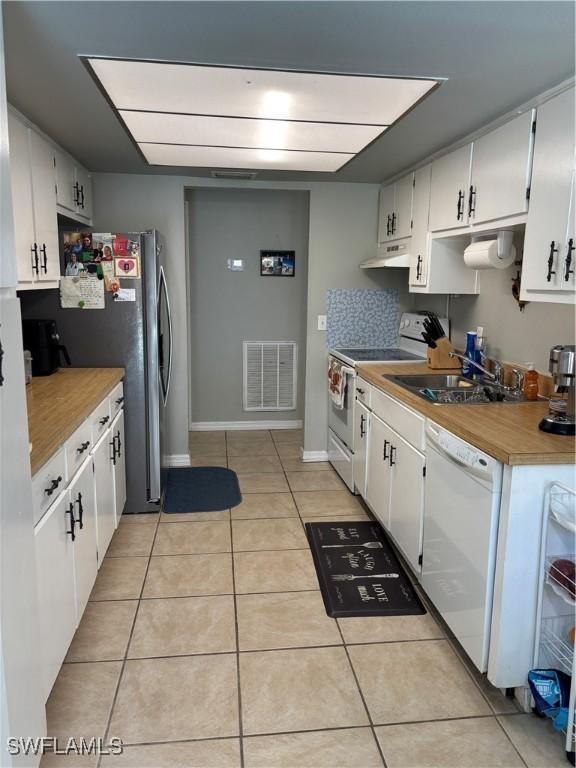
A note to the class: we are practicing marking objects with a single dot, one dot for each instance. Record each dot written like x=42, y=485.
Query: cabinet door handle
x=460, y=206
x=104, y=420
x=76, y=194
x=392, y=452
x=471, y=201
x=44, y=264
x=418, y=268
x=83, y=447
x=388, y=232
x=568, y=260
x=119, y=444
x=119, y=400
x=362, y=420
x=1, y=361
x=34, y=251
x=384, y=451
x=53, y=485
x=360, y=391
x=82, y=196
x=551, y=261
x=70, y=511
x=113, y=445
x=80, y=511
x=393, y=223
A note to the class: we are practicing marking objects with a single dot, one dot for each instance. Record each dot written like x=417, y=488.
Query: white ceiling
x=495, y=55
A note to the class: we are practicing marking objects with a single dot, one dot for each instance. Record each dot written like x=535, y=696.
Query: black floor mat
x=359, y=573
x=201, y=489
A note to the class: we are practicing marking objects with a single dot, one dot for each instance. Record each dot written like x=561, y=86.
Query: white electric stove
x=411, y=349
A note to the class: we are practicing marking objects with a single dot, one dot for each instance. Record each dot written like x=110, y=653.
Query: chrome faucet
x=468, y=361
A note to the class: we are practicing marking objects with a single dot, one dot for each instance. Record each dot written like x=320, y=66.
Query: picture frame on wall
x=277, y=263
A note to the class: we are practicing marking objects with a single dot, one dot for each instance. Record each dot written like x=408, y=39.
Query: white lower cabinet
x=119, y=466
x=73, y=531
x=407, y=499
x=83, y=508
x=104, y=493
x=56, y=590
x=378, y=470
x=389, y=466
x=361, y=420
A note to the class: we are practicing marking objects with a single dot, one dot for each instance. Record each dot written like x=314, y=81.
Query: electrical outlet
x=321, y=322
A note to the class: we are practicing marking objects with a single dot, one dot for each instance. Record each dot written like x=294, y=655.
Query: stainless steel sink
x=433, y=381
x=454, y=389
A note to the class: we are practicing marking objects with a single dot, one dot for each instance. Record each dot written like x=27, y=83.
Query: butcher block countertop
x=59, y=403
x=508, y=432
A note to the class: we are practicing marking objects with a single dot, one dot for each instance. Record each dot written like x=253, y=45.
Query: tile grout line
x=361, y=693
x=236, y=631
x=124, y=660
x=315, y=730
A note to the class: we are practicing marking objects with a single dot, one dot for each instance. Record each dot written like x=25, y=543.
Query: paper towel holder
x=504, y=240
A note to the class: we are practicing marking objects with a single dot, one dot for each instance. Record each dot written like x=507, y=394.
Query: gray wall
x=343, y=221
x=343, y=232
x=512, y=335
x=227, y=308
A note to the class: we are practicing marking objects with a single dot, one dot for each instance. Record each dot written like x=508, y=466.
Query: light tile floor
x=206, y=645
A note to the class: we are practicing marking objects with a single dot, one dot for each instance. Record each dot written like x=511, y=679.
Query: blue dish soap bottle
x=470, y=354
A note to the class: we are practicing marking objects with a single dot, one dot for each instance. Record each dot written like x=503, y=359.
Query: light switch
x=321, y=322
x=236, y=265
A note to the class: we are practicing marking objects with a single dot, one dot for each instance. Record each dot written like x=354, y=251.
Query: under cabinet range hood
x=395, y=254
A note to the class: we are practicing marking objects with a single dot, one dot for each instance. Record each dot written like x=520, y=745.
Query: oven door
x=341, y=420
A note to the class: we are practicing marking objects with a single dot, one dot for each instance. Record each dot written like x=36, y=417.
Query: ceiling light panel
x=228, y=157
x=234, y=92
x=166, y=128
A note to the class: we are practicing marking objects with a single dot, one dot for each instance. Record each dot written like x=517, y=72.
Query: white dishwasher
x=462, y=505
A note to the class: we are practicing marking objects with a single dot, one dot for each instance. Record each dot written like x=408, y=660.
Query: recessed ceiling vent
x=246, y=175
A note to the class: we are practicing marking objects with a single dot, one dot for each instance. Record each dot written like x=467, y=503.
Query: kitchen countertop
x=508, y=432
x=59, y=403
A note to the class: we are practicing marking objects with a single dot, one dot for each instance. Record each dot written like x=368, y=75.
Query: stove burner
x=370, y=354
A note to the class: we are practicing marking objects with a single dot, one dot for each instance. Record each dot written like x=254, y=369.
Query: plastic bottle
x=480, y=355
x=530, y=386
x=470, y=353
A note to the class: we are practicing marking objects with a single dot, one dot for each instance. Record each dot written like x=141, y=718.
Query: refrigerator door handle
x=164, y=288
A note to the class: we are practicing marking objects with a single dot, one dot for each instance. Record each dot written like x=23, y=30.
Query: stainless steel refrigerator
x=135, y=335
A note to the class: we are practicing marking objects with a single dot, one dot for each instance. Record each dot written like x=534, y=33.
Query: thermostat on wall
x=236, y=265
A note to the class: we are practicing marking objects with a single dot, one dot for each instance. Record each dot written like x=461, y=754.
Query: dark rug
x=358, y=572
x=201, y=489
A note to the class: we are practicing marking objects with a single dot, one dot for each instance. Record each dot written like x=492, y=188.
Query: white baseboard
x=214, y=426
x=314, y=455
x=176, y=460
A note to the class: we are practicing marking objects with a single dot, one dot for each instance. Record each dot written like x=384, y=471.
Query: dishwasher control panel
x=463, y=452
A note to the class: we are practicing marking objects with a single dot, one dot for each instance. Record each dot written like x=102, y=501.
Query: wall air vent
x=270, y=375
x=236, y=175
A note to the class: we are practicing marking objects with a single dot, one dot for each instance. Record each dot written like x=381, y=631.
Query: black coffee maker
x=42, y=340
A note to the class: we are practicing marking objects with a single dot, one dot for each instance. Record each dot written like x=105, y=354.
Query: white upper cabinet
x=66, y=194
x=419, y=250
x=501, y=163
x=449, y=189
x=34, y=203
x=21, y=180
x=549, y=256
x=395, y=210
x=402, y=216
x=73, y=187
x=44, y=203
x=44, y=181
x=385, y=212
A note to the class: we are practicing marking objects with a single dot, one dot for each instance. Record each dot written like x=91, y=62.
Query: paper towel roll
x=484, y=255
